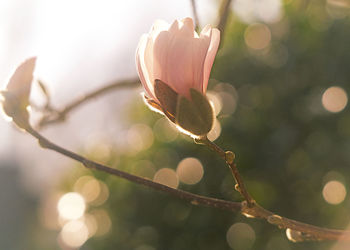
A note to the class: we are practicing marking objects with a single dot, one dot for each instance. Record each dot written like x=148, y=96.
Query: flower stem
x=228, y=156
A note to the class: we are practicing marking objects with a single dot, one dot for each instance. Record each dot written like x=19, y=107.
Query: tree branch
x=296, y=231
x=187, y=196
x=195, y=14
x=224, y=11
x=56, y=116
x=228, y=156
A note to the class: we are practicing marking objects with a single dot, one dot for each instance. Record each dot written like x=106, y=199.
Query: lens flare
x=334, y=99
x=257, y=36
x=167, y=176
x=71, y=206
x=190, y=170
x=240, y=236
x=74, y=233
x=334, y=192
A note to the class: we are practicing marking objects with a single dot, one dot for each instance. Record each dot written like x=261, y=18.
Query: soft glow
x=240, y=236
x=190, y=170
x=249, y=11
x=215, y=101
x=167, y=176
x=93, y=190
x=104, y=223
x=71, y=206
x=103, y=195
x=140, y=137
x=215, y=131
x=228, y=96
x=229, y=103
x=334, y=99
x=74, y=233
x=334, y=192
x=257, y=36
x=91, y=224
x=164, y=130
x=89, y=189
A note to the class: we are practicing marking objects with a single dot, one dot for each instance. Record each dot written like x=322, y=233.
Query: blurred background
x=279, y=85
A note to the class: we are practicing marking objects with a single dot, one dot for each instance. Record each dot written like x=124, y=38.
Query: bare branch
x=195, y=14
x=187, y=196
x=223, y=16
x=56, y=116
x=301, y=231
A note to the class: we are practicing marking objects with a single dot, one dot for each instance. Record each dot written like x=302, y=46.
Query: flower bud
x=16, y=94
x=174, y=64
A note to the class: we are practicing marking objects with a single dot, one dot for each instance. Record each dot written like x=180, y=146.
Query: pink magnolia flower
x=178, y=56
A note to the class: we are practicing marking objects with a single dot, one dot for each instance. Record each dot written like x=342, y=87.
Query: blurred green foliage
x=287, y=145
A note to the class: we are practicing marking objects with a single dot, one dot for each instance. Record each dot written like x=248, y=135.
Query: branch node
x=200, y=140
x=275, y=220
x=229, y=157
x=249, y=209
x=43, y=143
x=237, y=188
x=88, y=164
x=296, y=236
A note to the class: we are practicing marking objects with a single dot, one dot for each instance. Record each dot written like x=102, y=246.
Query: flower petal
x=174, y=58
x=208, y=63
x=186, y=27
x=142, y=70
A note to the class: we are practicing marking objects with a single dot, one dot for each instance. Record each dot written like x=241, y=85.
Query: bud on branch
x=16, y=94
x=174, y=65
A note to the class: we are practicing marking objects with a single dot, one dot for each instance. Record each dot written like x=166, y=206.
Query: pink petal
x=186, y=27
x=179, y=57
x=208, y=63
x=174, y=61
x=200, y=49
x=142, y=71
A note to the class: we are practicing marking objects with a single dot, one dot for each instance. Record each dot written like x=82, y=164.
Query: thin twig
x=192, y=198
x=195, y=14
x=224, y=11
x=302, y=231
x=240, y=184
x=60, y=115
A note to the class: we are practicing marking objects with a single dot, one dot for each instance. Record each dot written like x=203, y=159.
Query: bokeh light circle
x=190, y=170
x=334, y=99
x=257, y=36
x=240, y=236
x=166, y=176
x=334, y=192
x=74, y=233
x=215, y=132
x=71, y=206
